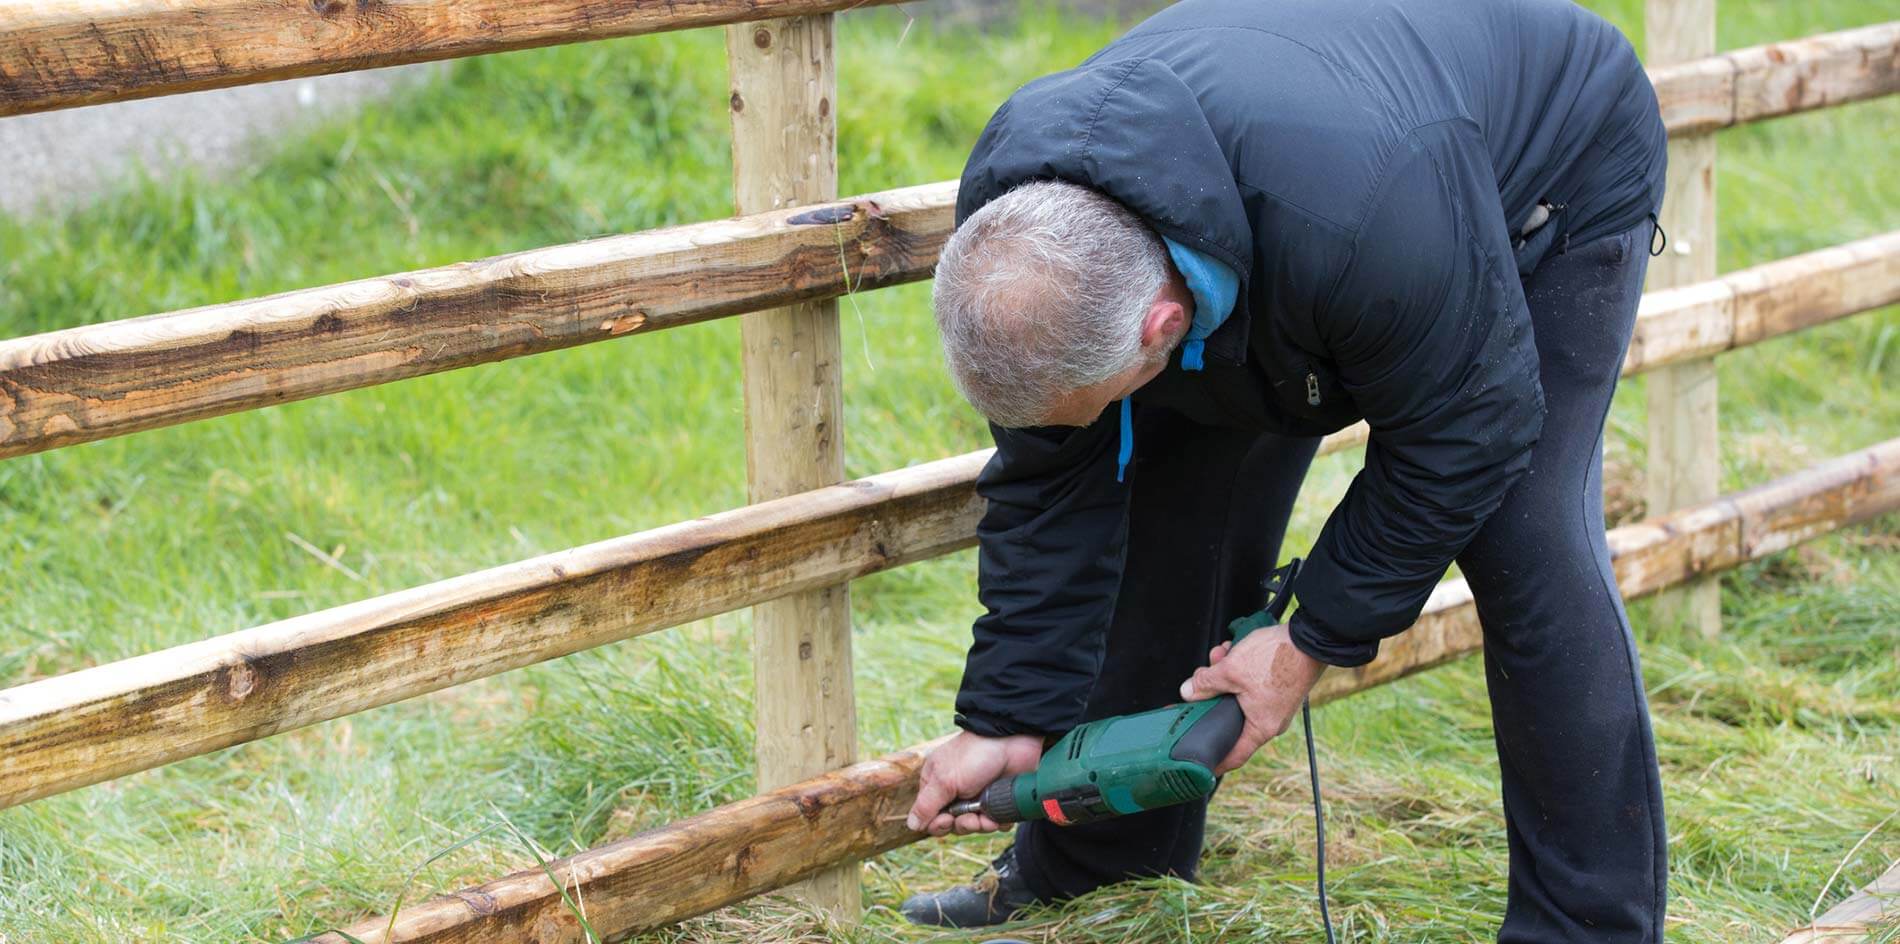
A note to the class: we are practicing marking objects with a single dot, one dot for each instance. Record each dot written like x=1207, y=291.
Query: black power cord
x=1319, y=818
x=1279, y=593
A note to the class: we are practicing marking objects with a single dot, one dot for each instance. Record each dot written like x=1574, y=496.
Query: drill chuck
x=997, y=801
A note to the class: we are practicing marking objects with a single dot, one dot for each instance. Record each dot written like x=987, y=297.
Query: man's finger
x=1243, y=749
x=942, y=825
x=1206, y=683
x=932, y=795
x=970, y=823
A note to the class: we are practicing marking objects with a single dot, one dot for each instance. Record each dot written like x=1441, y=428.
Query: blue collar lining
x=1215, y=288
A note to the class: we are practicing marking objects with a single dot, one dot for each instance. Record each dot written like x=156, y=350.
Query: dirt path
x=63, y=159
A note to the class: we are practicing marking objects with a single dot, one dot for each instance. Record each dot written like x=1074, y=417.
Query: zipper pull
x=1312, y=388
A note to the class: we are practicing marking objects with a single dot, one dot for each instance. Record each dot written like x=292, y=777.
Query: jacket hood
x=1129, y=128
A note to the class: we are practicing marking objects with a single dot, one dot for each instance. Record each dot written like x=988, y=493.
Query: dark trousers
x=1582, y=797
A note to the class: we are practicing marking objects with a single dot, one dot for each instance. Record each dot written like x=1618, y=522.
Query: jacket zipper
x=1312, y=388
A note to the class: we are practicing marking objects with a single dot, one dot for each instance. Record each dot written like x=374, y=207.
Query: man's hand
x=960, y=768
x=1270, y=677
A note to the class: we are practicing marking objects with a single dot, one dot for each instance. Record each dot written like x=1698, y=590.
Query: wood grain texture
x=679, y=870
x=784, y=154
x=154, y=709
x=1685, y=457
x=1700, y=92
x=1857, y=916
x=62, y=53
x=109, y=379
x=739, y=850
x=95, y=724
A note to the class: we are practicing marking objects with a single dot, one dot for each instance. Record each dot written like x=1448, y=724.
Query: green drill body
x=1126, y=764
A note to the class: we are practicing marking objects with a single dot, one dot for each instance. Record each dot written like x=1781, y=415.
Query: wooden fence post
x=1685, y=465
x=784, y=152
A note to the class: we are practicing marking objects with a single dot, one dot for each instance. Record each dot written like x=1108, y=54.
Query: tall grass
x=1779, y=741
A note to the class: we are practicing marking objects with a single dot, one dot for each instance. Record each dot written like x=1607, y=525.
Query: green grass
x=1779, y=743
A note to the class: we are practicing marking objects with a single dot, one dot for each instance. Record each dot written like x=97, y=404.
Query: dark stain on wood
x=840, y=213
x=810, y=805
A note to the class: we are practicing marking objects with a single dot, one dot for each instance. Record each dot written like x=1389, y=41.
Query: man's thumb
x=932, y=795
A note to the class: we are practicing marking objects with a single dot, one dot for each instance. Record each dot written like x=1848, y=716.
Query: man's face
x=1082, y=407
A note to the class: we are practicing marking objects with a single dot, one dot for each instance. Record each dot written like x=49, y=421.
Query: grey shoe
x=993, y=897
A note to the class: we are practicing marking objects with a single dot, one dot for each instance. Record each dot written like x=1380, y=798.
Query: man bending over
x=1240, y=227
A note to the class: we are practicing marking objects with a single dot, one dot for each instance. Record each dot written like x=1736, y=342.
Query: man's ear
x=1164, y=325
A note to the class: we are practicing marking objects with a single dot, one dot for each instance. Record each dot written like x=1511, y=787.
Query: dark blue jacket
x=1363, y=165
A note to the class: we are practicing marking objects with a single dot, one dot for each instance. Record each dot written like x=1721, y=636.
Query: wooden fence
x=794, y=550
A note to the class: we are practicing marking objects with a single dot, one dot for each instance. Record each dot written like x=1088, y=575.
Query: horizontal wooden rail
x=683, y=869
x=117, y=377
x=71, y=730
x=1778, y=79
x=1858, y=916
x=97, y=381
x=92, y=382
x=1751, y=305
x=110, y=720
x=739, y=850
x=62, y=53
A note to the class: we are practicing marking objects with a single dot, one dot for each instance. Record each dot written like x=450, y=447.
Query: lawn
x=1780, y=742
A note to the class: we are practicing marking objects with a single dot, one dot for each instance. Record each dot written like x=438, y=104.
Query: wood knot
x=240, y=680
x=762, y=38
x=738, y=103
x=479, y=902
x=328, y=7
x=824, y=107
x=625, y=323
x=804, y=652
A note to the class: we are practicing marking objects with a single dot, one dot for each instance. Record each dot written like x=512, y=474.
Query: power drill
x=1116, y=766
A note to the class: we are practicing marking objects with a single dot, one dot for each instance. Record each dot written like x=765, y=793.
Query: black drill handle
x=1208, y=742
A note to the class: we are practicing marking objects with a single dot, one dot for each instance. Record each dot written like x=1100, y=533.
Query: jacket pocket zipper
x=1312, y=388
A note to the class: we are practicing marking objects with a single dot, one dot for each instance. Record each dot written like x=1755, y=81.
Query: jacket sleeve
x=1432, y=339
x=1049, y=562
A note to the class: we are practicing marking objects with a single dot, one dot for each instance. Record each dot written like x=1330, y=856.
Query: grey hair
x=1042, y=292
